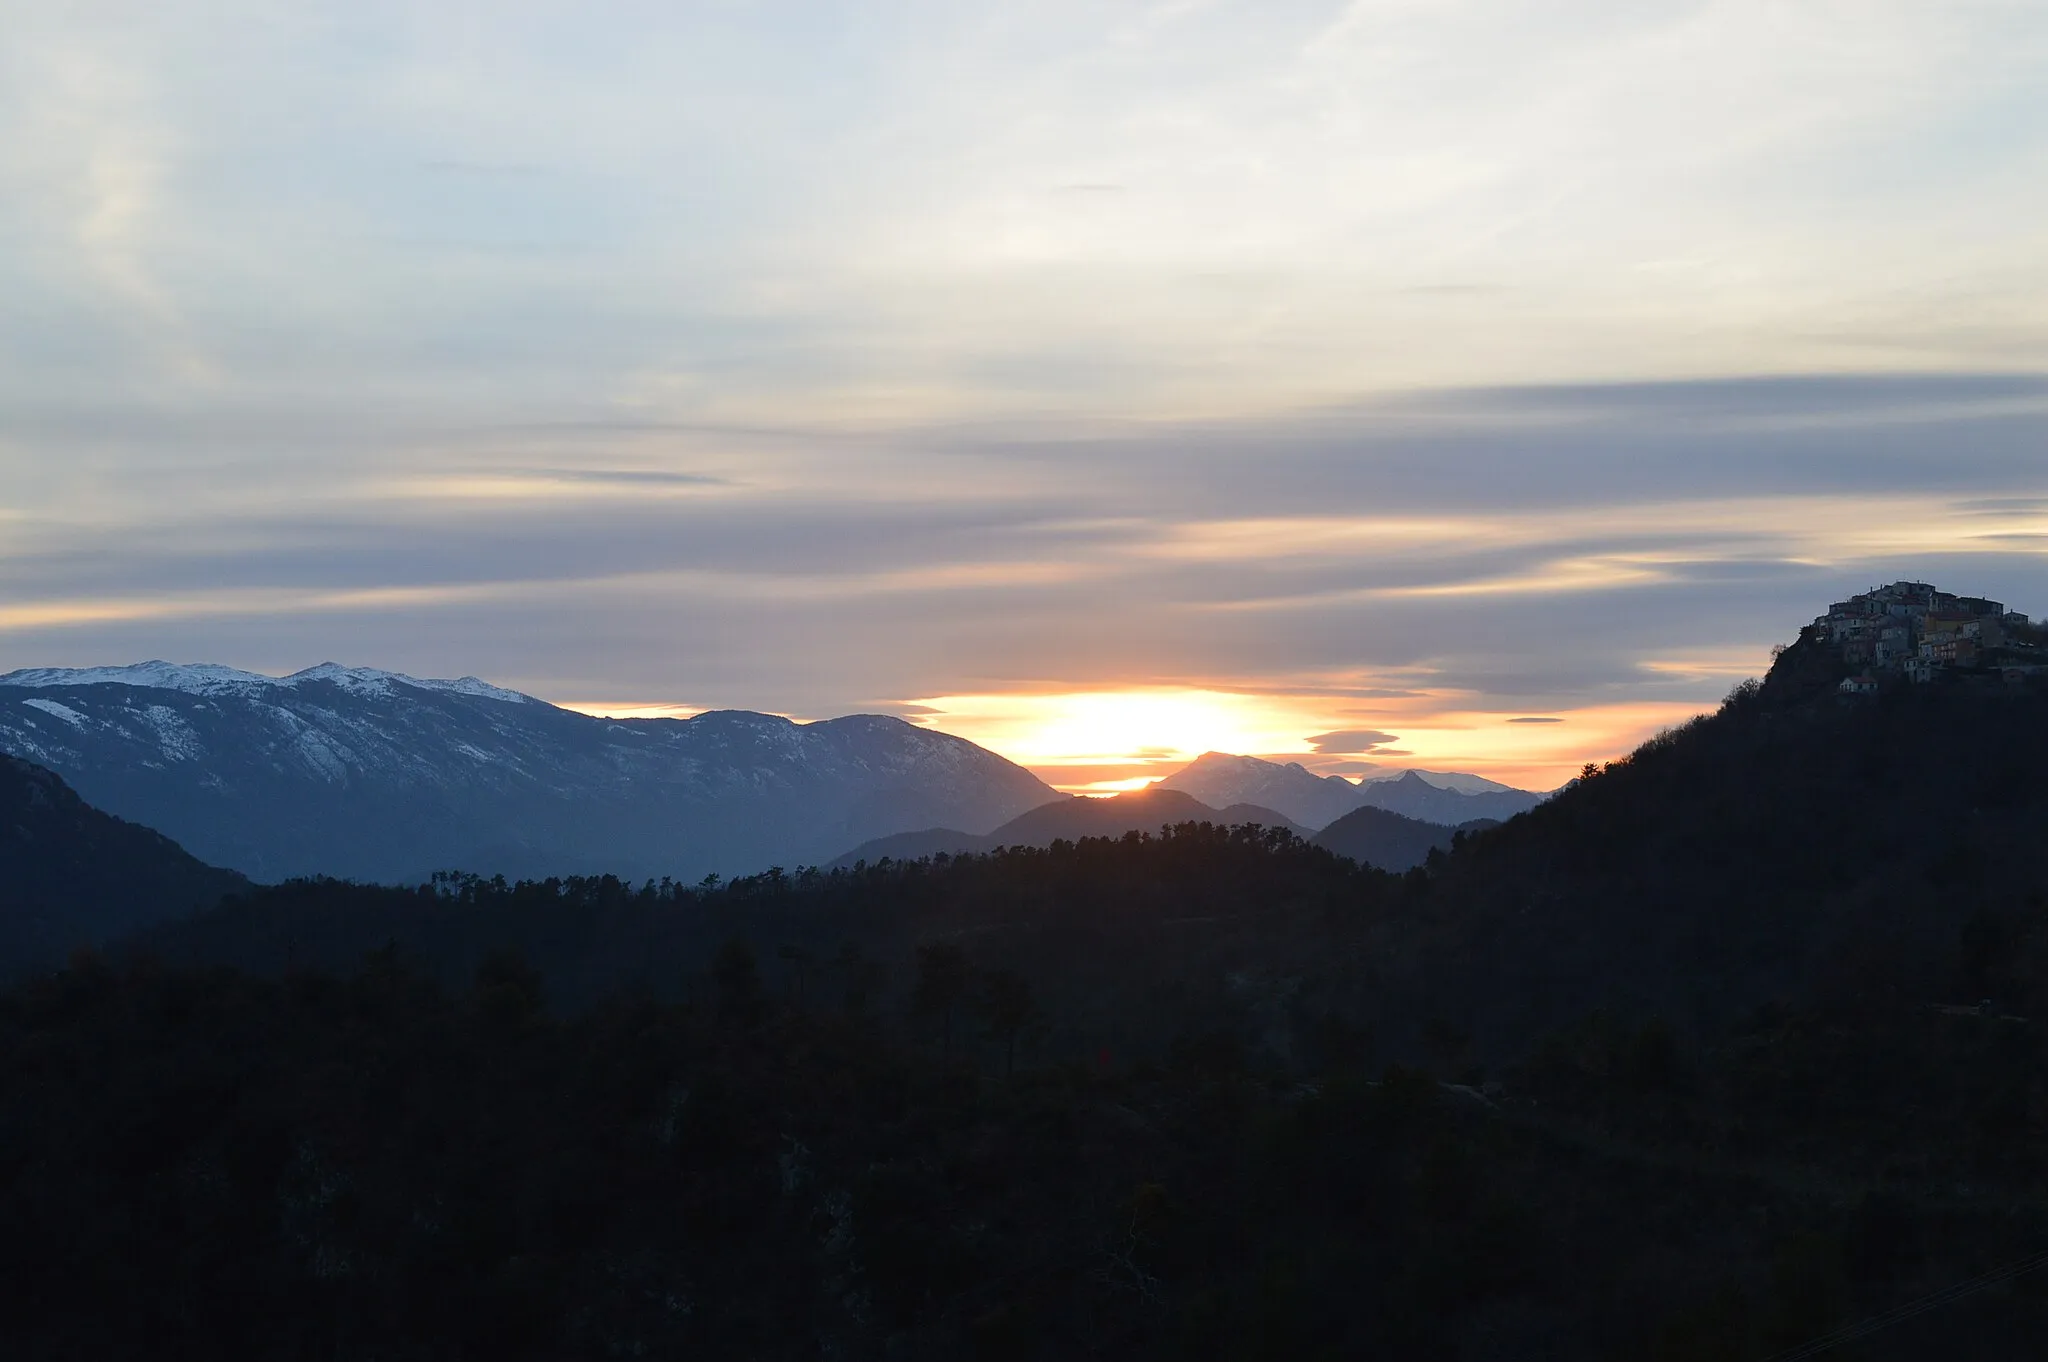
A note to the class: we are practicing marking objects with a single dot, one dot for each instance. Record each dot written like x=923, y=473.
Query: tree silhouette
x=737, y=982
x=799, y=959
x=943, y=981
x=1006, y=1005
x=508, y=989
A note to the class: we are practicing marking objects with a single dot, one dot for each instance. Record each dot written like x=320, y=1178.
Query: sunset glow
x=1114, y=386
x=1109, y=742
x=598, y=709
x=1106, y=742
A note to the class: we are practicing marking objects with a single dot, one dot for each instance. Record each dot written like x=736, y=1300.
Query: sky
x=1396, y=383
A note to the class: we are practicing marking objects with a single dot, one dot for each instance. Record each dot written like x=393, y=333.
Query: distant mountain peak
x=372, y=681
x=1314, y=801
x=205, y=678
x=1233, y=761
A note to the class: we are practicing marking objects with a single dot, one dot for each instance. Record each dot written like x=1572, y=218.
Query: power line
x=1901, y=1314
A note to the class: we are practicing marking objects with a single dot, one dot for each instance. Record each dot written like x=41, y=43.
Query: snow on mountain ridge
x=206, y=678
x=374, y=775
x=199, y=678
x=64, y=712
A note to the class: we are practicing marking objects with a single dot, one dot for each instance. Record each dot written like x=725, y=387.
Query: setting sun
x=1144, y=724
x=1106, y=742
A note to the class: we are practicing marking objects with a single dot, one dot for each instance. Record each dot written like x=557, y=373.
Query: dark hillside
x=1796, y=839
x=793, y=1164
x=1128, y=940
x=72, y=876
x=1648, y=1074
x=1379, y=837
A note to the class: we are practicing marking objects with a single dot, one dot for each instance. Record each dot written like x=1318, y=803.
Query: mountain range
x=373, y=775
x=1313, y=801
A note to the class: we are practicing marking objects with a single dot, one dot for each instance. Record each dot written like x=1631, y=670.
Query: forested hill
x=1687, y=1063
x=1113, y=1098
x=1380, y=837
x=1797, y=840
x=1069, y=818
x=72, y=876
x=1793, y=840
x=1127, y=940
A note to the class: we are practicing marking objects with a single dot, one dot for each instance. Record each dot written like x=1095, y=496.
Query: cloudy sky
x=1468, y=385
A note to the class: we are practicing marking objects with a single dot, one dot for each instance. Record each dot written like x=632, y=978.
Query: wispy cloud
x=1350, y=743
x=1369, y=364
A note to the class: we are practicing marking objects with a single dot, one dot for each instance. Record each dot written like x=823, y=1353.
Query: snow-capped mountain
x=1446, y=797
x=375, y=775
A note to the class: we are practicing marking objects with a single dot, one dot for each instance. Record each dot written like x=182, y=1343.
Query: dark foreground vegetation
x=1731, y=1045
x=206, y=1162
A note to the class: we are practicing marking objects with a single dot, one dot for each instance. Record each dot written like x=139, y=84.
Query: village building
x=1913, y=630
x=1950, y=650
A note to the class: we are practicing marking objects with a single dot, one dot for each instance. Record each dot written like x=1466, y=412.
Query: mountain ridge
x=358, y=772
x=1317, y=801
x=206, y=678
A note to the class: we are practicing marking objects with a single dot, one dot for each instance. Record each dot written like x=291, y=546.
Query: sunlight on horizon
x=597, y=709
x=1108, y=742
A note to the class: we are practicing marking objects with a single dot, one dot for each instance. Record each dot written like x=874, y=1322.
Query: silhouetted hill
x=71, y=875
x=372, y=775
x=1389, y=841
x=1135, y=811
x=915, y=846
x=1070, y=818
x=1796, y=839
x=1257, y=815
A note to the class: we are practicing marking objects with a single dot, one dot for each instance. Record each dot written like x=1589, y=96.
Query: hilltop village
x=1912, y=632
